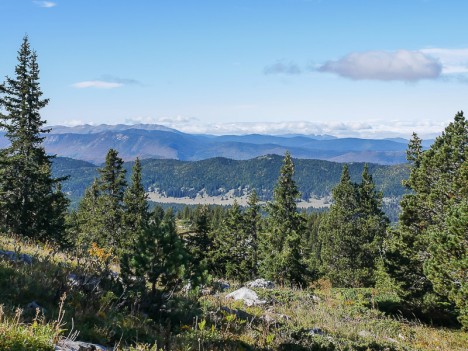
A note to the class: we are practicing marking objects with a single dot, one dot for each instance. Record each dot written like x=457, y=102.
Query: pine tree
x=136, y=214
x=437, y=184
x=447, y=265
x=112, y=186
x=88, y=218
x=311, y=244
x=200, y=241
x=281, y=252
x=339, y=234
x=158, y=256
x=252, y=228
x=101, y=211
x=231, y=247
x=353, y=232
x=31, y=201
x=373, y=221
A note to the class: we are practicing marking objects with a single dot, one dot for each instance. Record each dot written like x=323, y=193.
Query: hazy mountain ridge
x=91, y=143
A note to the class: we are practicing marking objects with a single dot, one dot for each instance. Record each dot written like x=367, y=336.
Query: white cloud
x=454, y=61
x=46, y=4
x=402, y=65
x=100, y=84
x=73, y=123
x=280, y=67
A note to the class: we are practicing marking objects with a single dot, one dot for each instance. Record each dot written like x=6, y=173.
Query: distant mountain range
x=91, y=143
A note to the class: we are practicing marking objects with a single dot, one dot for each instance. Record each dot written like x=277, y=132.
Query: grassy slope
x=349, y=319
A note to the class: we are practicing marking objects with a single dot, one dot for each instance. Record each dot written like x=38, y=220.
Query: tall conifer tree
x=31, y=201
x=232, y=249
x=112, y=184
x=101, y=211
x=136, y=212
x=281, y=256
x=339, y=233
x=352, y=233
x=252, y=223
x=425, y=254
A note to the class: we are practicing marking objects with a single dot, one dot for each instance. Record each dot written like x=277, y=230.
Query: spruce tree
x=311, y=244
x=252, y=228
x=447, y=265
x=112, y=184
x=425, y=250
x=136, y=214
x=352, y=233
x=158, y=256
x=101, y=211
x=88, y=218
x=373, y=223
x=31, y=201
x=339, y=235
x=200, y=241
x=281, y=252
x=231, y=247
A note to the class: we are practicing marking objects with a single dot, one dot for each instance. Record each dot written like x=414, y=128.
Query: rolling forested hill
x=216, y=176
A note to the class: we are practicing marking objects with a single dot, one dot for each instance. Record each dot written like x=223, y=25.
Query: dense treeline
x=218, y=175
x=423, y=259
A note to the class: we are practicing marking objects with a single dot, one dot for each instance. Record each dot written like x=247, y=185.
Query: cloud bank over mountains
x=359, y=129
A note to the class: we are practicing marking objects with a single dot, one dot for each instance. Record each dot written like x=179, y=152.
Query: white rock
x=261, y=283
x=249, y=297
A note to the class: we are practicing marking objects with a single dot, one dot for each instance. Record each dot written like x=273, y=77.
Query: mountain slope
x=217, y=176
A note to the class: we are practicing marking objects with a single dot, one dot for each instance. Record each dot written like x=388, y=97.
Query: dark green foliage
x=181, y=178
x=101, y=212
x=252, y=227
x=352, y=233
x=429, y=247
x=87, y=219
x=200, y=241
x=281, y=252
x=313, y=177
x=232, y=248
x=158, y=256
x=135, y=203
x=311, y=245
x=447, y=267
x=31, y=201
x=112, y=185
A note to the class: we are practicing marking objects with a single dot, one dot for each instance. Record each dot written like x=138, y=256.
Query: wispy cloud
x=45, y=4
x=280, y=67
x=123, y=81
x=402, y=65
x=175, y=122
x=97, y=84
x=106, y=82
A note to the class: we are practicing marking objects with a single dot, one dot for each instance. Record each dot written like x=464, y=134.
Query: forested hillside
x=315, y=178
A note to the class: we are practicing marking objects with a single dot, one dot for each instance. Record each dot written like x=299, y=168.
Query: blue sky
x=369, y=68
